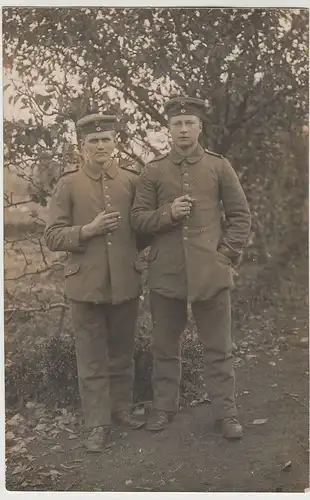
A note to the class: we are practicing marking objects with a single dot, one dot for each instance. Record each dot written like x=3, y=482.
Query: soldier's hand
x=181, y=206
x=103, y=223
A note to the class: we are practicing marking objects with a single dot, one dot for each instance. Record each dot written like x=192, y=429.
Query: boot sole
x=156, y=429
x=232, y=438
x=128, y=426
x=98, y=450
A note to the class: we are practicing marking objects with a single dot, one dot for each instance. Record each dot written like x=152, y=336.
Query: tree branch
x=12, y=310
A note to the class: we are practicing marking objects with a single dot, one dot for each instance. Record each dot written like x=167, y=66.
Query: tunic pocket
x=71, y=269
x=152, y=255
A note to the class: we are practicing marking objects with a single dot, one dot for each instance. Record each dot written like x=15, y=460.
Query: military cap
x=185, y=106
x=90, y=124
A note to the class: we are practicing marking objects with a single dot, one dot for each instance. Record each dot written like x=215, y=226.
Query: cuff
x=166, y=219
x=73, y=239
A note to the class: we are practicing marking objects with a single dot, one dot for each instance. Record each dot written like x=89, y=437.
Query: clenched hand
x=181, y=206
x=103, y=223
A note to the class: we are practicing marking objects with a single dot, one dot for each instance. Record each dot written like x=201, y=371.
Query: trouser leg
x=90, y=329
x=213, y=321
x=122, y=321
x=169, y=320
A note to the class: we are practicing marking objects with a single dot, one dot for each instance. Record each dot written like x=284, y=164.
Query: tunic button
x=108, y=205
x=185, y=238
x=186, y=174
x=109, y=243
x=185, y=227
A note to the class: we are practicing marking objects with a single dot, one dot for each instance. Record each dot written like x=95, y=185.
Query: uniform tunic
x=101, y=269
x=187, y=258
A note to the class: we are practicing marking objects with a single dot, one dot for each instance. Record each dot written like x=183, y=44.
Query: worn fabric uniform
x=190, y=260
x=102, y=283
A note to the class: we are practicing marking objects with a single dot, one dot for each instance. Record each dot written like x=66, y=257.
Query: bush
x=48, y=372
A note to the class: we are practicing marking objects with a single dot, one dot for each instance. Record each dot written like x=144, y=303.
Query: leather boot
x=97, y=439
x=127, y=419
x=158, y=420
x=231, y=428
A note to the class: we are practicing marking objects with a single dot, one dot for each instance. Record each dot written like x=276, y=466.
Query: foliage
x=250, y=66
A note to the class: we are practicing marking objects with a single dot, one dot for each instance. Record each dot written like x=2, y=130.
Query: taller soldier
x=178, y=199
x=89, y=217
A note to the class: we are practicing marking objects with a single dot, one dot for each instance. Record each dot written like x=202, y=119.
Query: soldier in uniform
x=178, y=199
x=89, y=217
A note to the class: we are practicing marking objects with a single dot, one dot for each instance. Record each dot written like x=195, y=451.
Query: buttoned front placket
x=106, y=192
x=186, y=189
x=108, y=178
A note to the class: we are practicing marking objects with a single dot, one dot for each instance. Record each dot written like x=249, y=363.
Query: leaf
x=9, y=436
x=16, y=420
x=57, y=447
x=73, y=436
x=40, y=427
x=287, y=465
x=6, y=87
x=55, y=472
x=260, y=421
x=30, y=405
x=19, y=448
x=19, y=469
x=248, y=357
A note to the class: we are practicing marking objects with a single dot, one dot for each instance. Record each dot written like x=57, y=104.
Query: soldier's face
x=97, y=147
x=185, y=130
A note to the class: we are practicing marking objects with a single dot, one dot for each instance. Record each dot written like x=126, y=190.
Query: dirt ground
x=44, y=450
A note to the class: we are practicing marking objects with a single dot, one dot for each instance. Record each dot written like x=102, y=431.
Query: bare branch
x=12, y=310
x=39, y=271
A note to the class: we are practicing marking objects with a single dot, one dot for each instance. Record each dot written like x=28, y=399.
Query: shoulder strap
x=214, y=154
x=68, y=172
x=134, y=168
x=159, y=157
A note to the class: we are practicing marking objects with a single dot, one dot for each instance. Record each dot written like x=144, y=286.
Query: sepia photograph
x=155, y=253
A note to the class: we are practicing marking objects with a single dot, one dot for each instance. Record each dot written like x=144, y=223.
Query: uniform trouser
x=213, y=323
x=104, y=342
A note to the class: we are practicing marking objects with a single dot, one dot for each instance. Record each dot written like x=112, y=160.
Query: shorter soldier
x=89, y=217
x=178, y=200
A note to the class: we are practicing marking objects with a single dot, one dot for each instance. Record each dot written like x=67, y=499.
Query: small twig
x=162, y=481
x=297, y=401
x=174, y=471
x=42, y=252
x=39, y=271
x=10, y=202
x=72, y=484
